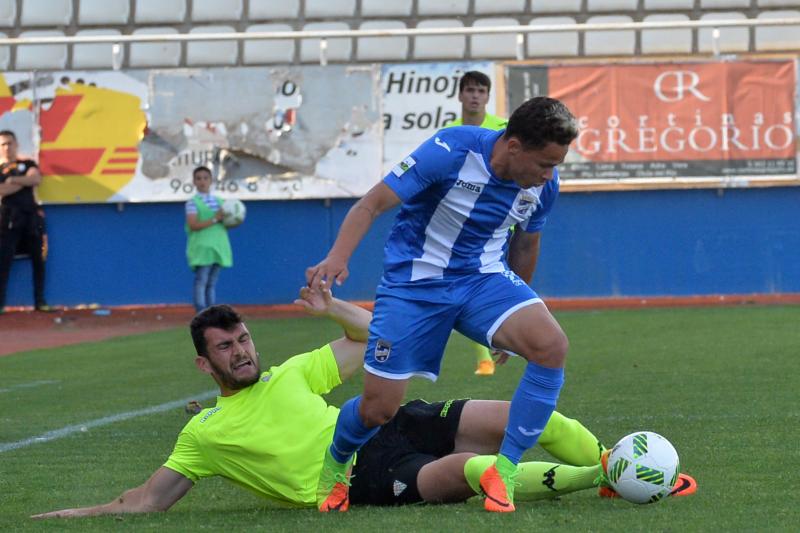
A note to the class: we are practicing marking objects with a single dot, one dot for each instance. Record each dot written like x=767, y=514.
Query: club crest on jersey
x=525, y=204
x=471, y=187
x=382, y=350
x=403, y=166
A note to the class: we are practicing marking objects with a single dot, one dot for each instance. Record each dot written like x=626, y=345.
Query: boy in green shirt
x=208, y=249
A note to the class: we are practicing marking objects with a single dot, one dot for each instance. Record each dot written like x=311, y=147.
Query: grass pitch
x=720, y=383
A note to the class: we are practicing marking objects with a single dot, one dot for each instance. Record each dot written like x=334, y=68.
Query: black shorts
x=386, y=468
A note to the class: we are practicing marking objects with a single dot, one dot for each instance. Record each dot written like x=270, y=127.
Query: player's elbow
x=35, y=177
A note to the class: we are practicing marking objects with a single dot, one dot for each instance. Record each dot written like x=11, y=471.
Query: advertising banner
x=727, y=120
x=135, y=136
x=83, y=128
x=418, y=100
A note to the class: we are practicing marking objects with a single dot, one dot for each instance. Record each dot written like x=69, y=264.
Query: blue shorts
x=412, y=321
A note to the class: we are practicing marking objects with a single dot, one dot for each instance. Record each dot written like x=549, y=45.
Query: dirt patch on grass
x=23, y=330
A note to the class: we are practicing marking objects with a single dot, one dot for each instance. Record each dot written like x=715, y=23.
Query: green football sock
x=569, y=441
x=537, y=480
x=482, y=353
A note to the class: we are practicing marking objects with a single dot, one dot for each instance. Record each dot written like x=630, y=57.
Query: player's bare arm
x=355, y=225
x=349, y=350
x=196, y=225
x=8, y=188
x=32, y=178
x=523, y=253
x=164, y=488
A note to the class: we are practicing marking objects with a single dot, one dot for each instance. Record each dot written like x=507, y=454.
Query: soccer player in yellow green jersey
x=269, y=430
x=473, y=93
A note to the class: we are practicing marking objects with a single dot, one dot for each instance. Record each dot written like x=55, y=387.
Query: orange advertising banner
x=709, y=119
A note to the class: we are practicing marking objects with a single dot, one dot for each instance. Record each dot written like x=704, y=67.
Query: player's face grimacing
x=533, y=168
x=232, y=357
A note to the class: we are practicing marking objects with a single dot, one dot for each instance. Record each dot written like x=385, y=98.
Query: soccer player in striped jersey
x=473, y=93
x=446, y=267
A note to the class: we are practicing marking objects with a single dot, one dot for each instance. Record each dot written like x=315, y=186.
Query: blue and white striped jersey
x=456, y=213
x=209, y=199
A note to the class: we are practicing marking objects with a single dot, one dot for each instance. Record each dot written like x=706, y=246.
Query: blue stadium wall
x=601, y=244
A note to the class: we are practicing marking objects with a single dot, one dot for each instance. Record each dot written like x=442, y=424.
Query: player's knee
x=550, y=351
x=377, y=414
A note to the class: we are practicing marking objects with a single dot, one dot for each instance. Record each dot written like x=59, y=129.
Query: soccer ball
x=234, y=211
x=643, y=467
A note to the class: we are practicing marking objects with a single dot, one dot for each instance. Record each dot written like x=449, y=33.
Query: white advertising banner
x=420, y=99
x=136, y=136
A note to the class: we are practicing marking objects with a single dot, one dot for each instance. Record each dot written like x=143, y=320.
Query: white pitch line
x=83, y=426
x=29, y=385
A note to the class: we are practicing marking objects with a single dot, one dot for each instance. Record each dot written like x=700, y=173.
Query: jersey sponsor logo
x=403, y=166
x=441, y=143
x=266, y=377
x=209, y=413
x=472, y=187
x=398, y=487
x=383, y=349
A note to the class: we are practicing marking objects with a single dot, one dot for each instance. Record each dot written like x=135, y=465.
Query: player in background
x=473, y=93
x=448, y=265
x=268, y=430
x=474, y=88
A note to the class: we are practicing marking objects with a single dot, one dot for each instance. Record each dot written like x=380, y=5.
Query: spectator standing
x=21, y=218
x=207, y=248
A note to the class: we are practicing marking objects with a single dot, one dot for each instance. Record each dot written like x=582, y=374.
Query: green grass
x=721, y=383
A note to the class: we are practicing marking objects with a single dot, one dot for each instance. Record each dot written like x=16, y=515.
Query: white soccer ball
x=643, y=467
x=234, y=211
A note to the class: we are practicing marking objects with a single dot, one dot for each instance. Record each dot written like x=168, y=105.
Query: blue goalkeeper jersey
x=456, y=213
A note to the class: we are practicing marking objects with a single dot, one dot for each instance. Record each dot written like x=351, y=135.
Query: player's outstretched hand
x=63, y=513
x=316, y=300
x=330, y=269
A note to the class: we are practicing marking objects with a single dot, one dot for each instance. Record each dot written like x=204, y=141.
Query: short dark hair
x=8, y=133
x=473, y=77
x=216, y=316
x=200, y=169
x=542, y=120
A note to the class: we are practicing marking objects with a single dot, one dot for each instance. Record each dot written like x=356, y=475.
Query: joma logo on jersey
x=472, y=187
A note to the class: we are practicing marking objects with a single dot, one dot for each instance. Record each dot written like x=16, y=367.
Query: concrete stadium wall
x=601, y=244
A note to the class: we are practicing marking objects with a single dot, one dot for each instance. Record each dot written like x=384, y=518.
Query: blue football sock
x=350, y=433
x=531, y=407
